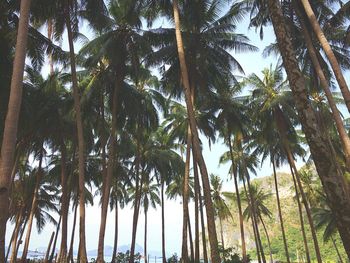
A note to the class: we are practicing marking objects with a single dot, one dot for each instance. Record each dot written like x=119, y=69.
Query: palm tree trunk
x=19, y=242
x=163, y=223
x=240, y=214
x=205, y=253
x=32, y=210
x=267, y=237
x=185, y=197
x=115, y=248
x=70, y=253
x=221, y=233
x=80, y=132
x=336, y=249
x=46, y=259
x=190, y=239
x=145, y=243
x=331, y=179
x=15, y=235
x=64, y=206
x=328, y=51
x=306, y=204
x=253, y=224
x=301, y=218
x=280, y=210
x=344, y=138
x=215, y=256
x=11, y=121
x=196, y=211
x=110, y=168
x=53, y=251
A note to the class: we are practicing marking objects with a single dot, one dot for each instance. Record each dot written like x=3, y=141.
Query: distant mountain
x=108, y=250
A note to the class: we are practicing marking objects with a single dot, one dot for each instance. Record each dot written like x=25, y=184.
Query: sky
x=252, y=63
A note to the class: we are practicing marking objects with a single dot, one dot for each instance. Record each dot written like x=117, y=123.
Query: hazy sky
x=251, y=62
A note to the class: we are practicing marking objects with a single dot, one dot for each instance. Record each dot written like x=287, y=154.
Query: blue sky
x=252, y=63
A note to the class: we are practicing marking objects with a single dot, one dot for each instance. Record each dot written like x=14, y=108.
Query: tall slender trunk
x=190, y=239
x=204, y=240
x=337, y=250
x=53, y=251
x=163, y=222
x=344, y=138
x=11, y=122
x=305, y=202
x=71, y=252
x=145, y=243
x=240, y=214
x=185, y=197
x=15, y=234
x=280, y=210
x=253, y=224
x=49, y=36
x=64, y=206
x=80, y=132
x=301, y=218
x=138, y=187
x=115, y=247
x=196, y=211
x=19, y=242
x=33, y=208
x=215, y=256
x=46, y=259
x=328, y=51
x=267, y=237
x=332, y=180
x=110, y=168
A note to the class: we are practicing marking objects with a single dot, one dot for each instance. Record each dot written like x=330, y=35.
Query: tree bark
x=53, y=251
x=190, y=239
x=46, y=260
x=71, y=252
x=64, y=206
x=215, y=256
x=145, y=243
x=80, y=132
x=185, y=197
x=204, y=240
x=15, y=235
x=333, y=182
x=240, y=214
x=115, y=247
x=196, y=211
x=301, y=218
x=267, y=237
x=163, y=223
x=280, y=210
x=110, y=169
x=19, y=242
x=32, y=210
x=11, y=122
x=344, y=138
x=328, y=51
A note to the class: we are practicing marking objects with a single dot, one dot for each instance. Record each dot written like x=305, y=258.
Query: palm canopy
x=218, y=196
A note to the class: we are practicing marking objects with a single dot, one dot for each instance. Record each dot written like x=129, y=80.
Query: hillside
x=291, y=223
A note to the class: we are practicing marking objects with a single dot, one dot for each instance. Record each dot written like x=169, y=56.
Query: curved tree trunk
x=301, y=218
x=15, y=235
x=145, y=243
x=185, y=197
x=11, y=122
x=336, y=249
x=331, y=179
x=53, y=251
x=110, y=168
x=80, y=132
x=164, y=259
x=64, y=206
x=280, y=210
x=19, y=242
x=32, y=210
x=196, y=211
x=344, y=138
x=267, y=237
x=328, y=51
x=204, y=240
x=71, y=252
x=215, y=256
x=306, y=204
x=46, y=259
x=240, y=214
x=190, y=238
x=115, y=246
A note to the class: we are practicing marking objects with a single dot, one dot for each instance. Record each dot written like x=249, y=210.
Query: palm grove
x=104, y=120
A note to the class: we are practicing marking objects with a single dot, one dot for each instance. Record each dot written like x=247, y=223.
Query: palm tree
x=221, y=208
x=258, y=197
x=11, y=121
